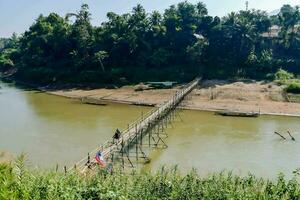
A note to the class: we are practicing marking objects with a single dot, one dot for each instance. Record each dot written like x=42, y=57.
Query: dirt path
x=267, y=98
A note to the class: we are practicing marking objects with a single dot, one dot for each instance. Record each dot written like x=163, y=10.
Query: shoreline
x=153, y=98
x=200, y=99
x=268, y=114
x=180, y=107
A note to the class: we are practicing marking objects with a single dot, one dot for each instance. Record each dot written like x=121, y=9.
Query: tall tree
x=81, y=37
x=182, y=42
x=288, y=18
x=44, y=49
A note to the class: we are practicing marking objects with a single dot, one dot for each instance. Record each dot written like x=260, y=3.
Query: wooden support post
x=141, y=137
x=171, y=118
x=112, y=157
x=122, y=154
x=65, y=169
x=128, y=149
x=166, y=119
x=178, y=115
x=157, y=125
x=129, y=160
x=136, y=148
x=88, y=159
x=127, y=154
x=149, y=134
x=143, y=154
x=56, y=169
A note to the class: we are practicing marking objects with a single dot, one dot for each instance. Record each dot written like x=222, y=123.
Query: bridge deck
x=136, y=127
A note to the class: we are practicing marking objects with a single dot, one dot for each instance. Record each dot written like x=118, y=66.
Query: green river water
x=54, y=130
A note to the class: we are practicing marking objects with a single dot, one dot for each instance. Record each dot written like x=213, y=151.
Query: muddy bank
x=266, y=98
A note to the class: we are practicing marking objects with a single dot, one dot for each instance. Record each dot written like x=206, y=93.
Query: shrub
x=293, y=87
x=283, y=75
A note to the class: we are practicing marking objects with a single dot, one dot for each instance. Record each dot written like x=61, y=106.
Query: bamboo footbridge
x=150, y=126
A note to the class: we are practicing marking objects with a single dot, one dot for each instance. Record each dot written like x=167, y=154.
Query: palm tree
x=100, y=56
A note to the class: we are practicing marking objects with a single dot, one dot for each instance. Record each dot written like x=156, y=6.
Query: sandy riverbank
x=267, y=98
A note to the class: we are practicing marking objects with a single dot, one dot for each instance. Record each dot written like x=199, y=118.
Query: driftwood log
x=280, y=135
x=291, y=136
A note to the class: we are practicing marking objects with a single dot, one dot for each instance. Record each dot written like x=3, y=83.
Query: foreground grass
x=16, y=182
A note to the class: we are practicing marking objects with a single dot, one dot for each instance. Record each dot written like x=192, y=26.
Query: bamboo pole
x=291, y=136
x=280, y=135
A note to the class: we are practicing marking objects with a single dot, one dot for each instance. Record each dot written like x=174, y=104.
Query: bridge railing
x=136, y=124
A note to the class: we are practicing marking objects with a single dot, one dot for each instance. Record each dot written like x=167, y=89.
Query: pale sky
x=18, y=15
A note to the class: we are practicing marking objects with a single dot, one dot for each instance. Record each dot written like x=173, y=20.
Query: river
x=54, y=130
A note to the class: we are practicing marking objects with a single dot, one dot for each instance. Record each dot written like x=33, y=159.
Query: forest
x=177, y=45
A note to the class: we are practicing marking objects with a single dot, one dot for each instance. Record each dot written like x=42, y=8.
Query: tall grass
x=16, y=182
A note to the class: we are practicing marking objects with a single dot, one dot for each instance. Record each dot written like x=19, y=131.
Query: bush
x=293, y=87
x=282, y=75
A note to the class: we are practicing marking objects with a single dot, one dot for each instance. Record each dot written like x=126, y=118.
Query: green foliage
x=8, y=49
x=285, y=78
x=5, y=62
x=3, y=43
x=293, y=87
x=178, y=44
x=164, y=184
x=282, y=75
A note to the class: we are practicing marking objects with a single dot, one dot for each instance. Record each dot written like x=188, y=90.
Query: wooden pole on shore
x=291, y=136
x=280, y=135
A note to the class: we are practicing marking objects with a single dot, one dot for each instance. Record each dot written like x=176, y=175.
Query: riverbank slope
x=212, y=95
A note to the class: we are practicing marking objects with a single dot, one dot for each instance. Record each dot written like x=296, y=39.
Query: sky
x=18, y=15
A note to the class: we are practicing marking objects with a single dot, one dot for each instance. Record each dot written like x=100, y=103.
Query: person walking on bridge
x=116, y=136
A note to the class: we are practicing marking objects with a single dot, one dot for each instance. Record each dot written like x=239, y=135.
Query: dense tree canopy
x=179, y=44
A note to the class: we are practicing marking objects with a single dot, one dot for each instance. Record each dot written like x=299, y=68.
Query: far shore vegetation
x=177, y=45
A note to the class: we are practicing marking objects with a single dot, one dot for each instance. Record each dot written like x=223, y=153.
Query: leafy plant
x=282, y=75
x=293, y=87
